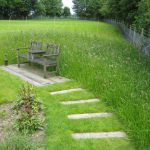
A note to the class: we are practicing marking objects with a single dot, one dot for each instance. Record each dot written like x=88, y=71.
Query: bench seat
x=44, y=62
x=46, y=58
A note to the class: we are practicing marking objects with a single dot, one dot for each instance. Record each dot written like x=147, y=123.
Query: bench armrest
x=50, y=55
x=18, y=49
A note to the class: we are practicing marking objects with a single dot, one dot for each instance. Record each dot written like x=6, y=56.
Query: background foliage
x=135, y=12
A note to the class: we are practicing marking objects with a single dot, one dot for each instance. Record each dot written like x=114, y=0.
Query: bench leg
x=18, y=61
x=57, y=67
x=18, y=58
x=57, y=70
x=29, y=63
x=45, y=71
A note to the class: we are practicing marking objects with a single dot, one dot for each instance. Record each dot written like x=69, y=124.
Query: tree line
x=135, y=12
x=23, y=8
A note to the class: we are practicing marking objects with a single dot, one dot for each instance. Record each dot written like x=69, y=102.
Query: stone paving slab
x=33, y=75
x=66, y=91
x=80, y=102
x=99, y=135
x=89, y=115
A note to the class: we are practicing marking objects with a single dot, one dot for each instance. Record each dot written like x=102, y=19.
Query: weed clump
x=17, y=142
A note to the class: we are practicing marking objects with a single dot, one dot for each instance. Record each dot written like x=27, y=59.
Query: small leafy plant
x=27, y=108
x=3, y=114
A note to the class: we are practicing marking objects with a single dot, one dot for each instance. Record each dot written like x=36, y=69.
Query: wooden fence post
x=130, y=35
x=142, y=39
x=142, y=34
x=134, y=35
x=124, y=26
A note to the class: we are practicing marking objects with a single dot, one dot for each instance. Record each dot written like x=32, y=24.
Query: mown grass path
x=60, y=129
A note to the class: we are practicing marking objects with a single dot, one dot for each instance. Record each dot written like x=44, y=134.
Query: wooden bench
x=47, y=58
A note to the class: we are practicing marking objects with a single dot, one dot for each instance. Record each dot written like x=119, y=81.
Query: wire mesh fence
x=139, y=37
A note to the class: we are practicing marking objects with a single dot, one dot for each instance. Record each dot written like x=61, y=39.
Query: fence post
x=130, y=33
x=134, y=36
x=130, y=30
x=124, y=26
x=142, y=39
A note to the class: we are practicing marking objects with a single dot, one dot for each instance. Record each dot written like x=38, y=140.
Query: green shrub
x=143, y=17
x=27, y=108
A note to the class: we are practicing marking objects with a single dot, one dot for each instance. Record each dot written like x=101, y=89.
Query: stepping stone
x=80, y=101
x=66, y=91
x=89, y=115
x=99, y=135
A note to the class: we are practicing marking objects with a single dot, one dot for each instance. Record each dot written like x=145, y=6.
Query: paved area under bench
x=33, y=75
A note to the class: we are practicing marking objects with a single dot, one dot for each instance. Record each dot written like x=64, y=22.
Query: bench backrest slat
x=35, y=45
x=53, y=49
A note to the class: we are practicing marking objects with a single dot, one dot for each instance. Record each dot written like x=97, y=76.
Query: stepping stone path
x=80, y=102
x=99, y=135
x=92, y=115
x=66, y=91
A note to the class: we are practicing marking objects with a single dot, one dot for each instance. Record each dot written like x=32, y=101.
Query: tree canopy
x=143, y=15
x=16, y=8
x=131, y=11
x=23, y=8
x=66, y=11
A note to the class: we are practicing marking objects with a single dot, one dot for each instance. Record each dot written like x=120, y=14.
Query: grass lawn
x=96, y=55
x=9, y=85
